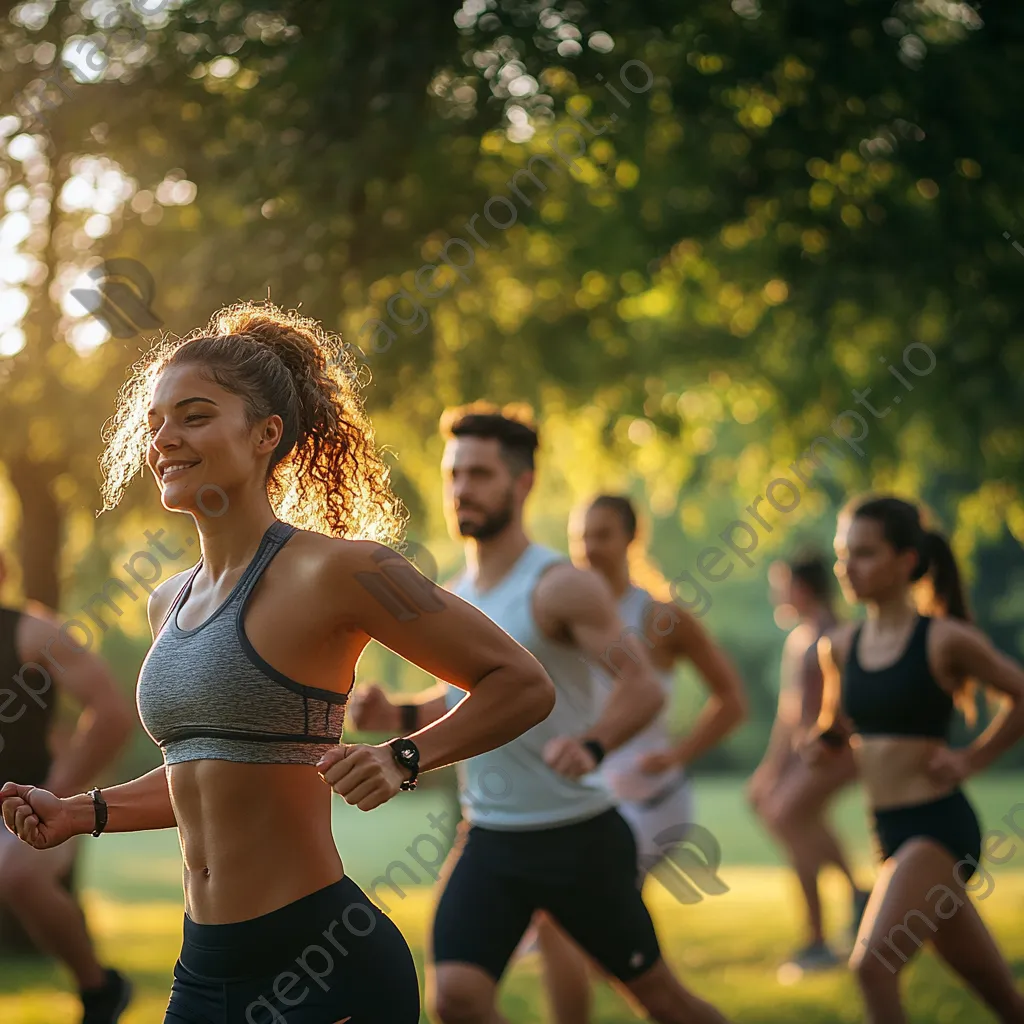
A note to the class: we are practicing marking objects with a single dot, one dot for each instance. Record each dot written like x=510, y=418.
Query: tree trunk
x=42, y=521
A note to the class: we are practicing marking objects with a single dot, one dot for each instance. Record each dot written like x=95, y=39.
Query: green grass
x=727, y=947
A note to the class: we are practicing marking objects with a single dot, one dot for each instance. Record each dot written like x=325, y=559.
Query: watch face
x=406, y=753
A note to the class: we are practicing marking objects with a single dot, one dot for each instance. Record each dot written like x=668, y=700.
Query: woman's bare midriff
x=893, y=770
x=254, y=837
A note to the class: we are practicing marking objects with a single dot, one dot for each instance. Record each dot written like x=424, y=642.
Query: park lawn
x=726, y=947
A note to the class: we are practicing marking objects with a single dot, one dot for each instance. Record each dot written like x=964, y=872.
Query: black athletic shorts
x=330, y=956
x=950, y=821
x=584, y=875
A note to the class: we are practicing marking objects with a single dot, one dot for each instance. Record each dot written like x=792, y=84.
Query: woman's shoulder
x=340, y=574
x=949, y=636
x=327, y=556
x=798, y=639
x=325, y=564
x=840, y=638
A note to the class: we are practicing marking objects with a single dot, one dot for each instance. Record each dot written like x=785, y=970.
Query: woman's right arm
x=823, y=695
x=44, y=821
x=136, y=806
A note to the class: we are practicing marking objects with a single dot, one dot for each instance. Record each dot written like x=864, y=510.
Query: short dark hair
x=622, y=506
x=512, y=427
x=813, y=571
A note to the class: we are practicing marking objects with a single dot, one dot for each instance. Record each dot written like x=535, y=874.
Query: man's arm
x=579, y=604
x=726, y=706
x=371, y=708
x=106, y=720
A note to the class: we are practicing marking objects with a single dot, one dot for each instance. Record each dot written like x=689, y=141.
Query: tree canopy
x=690, y=235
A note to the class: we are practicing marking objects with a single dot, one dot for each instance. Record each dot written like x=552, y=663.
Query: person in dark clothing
x=38, y=662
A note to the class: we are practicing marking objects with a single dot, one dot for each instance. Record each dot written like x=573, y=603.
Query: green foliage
x=689, y=289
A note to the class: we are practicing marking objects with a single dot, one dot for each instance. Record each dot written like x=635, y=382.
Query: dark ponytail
x=944, y=574
x=902, y=528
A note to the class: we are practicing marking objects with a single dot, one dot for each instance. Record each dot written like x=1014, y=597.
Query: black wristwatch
x=99, y=806
x=407, y=756
x=596, y=748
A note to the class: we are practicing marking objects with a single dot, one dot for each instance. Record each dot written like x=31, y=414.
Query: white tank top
x=511, y=787
x=619, y=768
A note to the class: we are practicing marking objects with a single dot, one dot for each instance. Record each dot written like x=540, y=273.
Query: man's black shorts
x=584, y=875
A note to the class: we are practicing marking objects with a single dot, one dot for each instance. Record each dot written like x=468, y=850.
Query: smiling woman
x=275, y=360
x=254, y=428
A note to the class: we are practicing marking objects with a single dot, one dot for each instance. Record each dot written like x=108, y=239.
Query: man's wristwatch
x=596, y=748
x=99, y=806
x=407, y=756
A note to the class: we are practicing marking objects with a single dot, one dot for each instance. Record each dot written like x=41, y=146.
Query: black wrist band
x=596, y=748
x=99, y=806
x=410, y=712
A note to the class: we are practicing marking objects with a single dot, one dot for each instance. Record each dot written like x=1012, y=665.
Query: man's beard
x=492, y=524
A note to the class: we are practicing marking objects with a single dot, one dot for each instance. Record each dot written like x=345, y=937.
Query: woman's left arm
x=375, y=593
x=972, y=656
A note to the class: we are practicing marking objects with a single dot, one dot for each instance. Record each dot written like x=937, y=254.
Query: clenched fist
x=365, y=776
x=567, y=756
x=36, y=816
x=370, y=709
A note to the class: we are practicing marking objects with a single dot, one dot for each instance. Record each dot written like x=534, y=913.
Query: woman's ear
x=270, y=433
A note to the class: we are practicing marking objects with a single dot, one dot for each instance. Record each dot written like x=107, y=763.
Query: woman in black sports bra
x=253, y=422
x=891, y=686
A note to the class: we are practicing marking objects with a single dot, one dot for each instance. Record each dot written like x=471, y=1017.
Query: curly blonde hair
x=326, y=474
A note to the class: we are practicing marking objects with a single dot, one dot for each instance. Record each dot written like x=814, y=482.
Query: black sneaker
x=106, y=1004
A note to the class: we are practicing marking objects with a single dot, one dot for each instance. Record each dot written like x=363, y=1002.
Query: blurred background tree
x=764, y=207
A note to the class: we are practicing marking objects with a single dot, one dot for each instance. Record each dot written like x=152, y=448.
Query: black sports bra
x=902, y=699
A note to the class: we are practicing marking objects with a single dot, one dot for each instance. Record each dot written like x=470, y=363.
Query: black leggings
x=330, y=956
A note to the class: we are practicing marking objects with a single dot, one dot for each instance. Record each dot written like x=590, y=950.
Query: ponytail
x=944, y=574
x=941, y=570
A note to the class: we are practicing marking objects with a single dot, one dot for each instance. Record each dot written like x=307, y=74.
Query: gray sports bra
x=205, y=693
